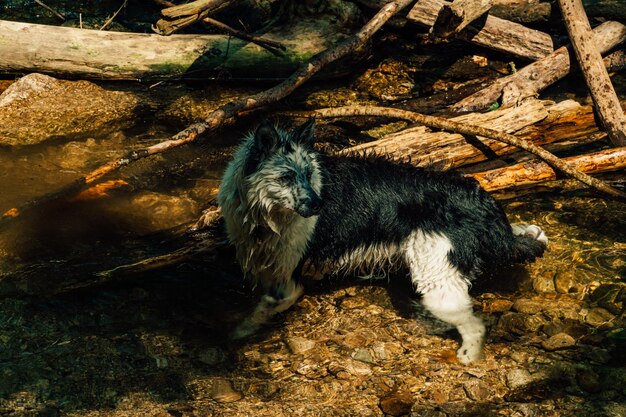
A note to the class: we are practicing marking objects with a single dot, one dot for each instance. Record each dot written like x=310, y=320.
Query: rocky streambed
x=156, y=344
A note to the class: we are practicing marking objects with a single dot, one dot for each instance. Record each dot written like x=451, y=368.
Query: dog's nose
x=316, y=205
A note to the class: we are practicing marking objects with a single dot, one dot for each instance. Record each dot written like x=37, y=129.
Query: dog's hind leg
x=444, y=290
x=279, y=297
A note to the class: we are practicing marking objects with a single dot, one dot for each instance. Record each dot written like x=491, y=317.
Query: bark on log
x=177, y=17
x=533, y=11
x=82, y=53
x=454, y=17
x=425, y=147
x=537, y=171
x=596, y=76
x=498, y=34
x=535, y=77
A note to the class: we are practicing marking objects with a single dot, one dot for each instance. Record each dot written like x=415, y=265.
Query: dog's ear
x=266, y=138
x=304, y=134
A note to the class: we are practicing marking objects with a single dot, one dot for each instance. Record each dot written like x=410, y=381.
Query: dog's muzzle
x=310, y=207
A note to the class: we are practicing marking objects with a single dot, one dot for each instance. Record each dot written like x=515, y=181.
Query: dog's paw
x=537, y=233
x=469, y=354
x=531, y=230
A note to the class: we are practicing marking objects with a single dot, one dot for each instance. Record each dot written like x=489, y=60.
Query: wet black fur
x=369, y=200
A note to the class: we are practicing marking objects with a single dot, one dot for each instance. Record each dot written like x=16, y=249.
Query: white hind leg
x=520, y=229
x=278, y=299
x=445, y=290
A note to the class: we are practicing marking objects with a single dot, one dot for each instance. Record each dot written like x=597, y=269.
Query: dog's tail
x=530, y=242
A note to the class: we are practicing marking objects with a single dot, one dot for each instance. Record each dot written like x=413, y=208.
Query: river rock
x=558, y=341
x=397, y=403
x=37, y=107
x=517, y=378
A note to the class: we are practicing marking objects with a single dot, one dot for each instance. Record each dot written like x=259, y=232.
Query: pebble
x=558, y=341
x=498, y=305
x=363, y=355
x=524, y=305
x=564, y=281
x=222, y=391
x=517, y=378
x=478, y=390
x=544, y=284
x=599, y=316
x=299, y=344
x=519, y=323
x=397, y=403
x=588, y=380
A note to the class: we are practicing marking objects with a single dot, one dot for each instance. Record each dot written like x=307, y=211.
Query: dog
x=284, y=203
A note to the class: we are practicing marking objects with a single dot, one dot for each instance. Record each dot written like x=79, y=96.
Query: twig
x=464, y=129
x=108, y=22
x=597, y=78
x=233, y=108
x=50, y=9
x=272, y=46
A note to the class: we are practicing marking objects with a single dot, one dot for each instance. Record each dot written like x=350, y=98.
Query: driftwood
x=231, y=109
x=454, y=17
x=498, y=34
x=539, y=11
x=540, y=74
x=473, y=130
x=596, y=76
x=536, y=171
x=82, y=53
x=178, y=16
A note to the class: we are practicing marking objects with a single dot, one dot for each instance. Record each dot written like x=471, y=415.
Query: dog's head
x=282, y=170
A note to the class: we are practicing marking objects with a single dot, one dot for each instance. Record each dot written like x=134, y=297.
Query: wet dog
x=284, y=203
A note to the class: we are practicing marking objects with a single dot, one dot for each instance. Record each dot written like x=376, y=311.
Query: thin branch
x=233, y=108
x=272, y=46
x=108, y=22
x=464, y=129
x=50, y=9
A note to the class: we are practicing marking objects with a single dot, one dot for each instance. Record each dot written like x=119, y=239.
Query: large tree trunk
x=82, y=53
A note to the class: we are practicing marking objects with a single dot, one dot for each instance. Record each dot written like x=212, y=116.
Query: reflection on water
x=68, y=239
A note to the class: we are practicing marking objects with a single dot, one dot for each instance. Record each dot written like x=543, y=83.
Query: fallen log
x=596, y=76
x=92, y=54
x=454, y=17
x=498, y=34
x=531, y=11
x=541, y=122
x=536, y=171
x=472, y=130
x=535, y=77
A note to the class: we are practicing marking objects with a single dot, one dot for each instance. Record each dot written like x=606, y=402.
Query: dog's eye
x=285, y=177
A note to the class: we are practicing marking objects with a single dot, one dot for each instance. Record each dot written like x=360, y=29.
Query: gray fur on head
x=269, y=196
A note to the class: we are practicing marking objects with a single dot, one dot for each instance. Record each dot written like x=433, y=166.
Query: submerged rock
x=38, y=107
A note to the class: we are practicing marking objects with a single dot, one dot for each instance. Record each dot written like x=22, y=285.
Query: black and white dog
x=284, y=203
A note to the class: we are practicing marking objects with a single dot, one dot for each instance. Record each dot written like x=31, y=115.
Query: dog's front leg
x=278, y=298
